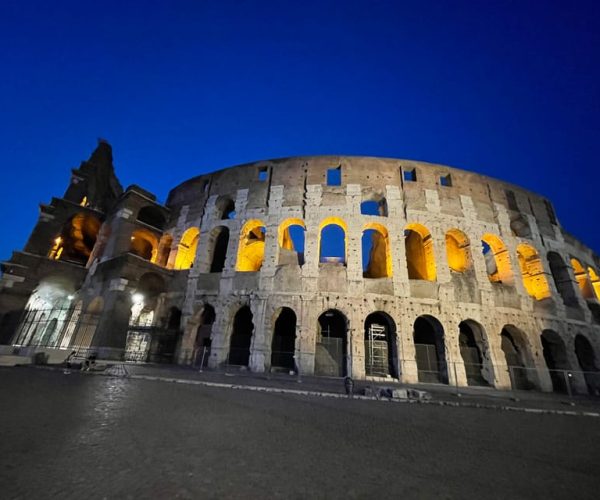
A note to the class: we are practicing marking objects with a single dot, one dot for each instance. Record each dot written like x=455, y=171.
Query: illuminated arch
x=497, y=259
x=186, y=250
x=251, y=250
x=76, y=240
x=144, y=244
x=420, y=258
x=582, y=279
x=532, y=271
x=283, y=233
x=327, y=229
x=458, y=251
x=595, y=279
x=290, y=237
x=378, y=262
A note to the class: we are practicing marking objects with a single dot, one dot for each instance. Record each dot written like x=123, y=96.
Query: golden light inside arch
x=595, y=279
x=501, y=271
x=144, y=244
x=420, y=257
x=458, y=251
x=532, y=271
x=582, y=279
x=283, y=232
x=380, y=262
x=186, y=250
x=251, y=249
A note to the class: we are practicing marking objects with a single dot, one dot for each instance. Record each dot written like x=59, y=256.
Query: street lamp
x=137, y=298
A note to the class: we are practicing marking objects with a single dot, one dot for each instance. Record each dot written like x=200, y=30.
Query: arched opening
x=225, y=208
x=473, y=350
x=376, y=257
x=381, y=354
x=241, y=337
x=76, y=240
x=376, y=206
x=587, y=361
x=532, y=272
x=290, y=237
x=458, y=251
x=332, y=344
x=497, y=260
x=144, y=244
x=146, y=301
x=562, y=279
x=186, y=250
x=152, y=216
x=332, y=241
x=251, y=250
x=283, y=345
x=519, y=226
x=430, y=353
x=595, y=310
x=595, y=281
x=203, y=339
x=555, y=355
x=420, y=257
x=219, y=241
x=582, y=279
x=51, y=299
x=518, y=360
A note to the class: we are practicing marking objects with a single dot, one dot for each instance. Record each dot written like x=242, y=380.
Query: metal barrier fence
x=459, y=375
x=425, y=368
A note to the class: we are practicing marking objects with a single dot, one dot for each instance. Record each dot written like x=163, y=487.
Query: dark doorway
x=381, y=355
x=430, y=352
x=562, y=279
x=555, y=355
x=472, y=347
x=203, y=335
x=331, y=349
x=221, y=241
x=515, y=353
x=284, y=340
x=587, y=362
x=239, y=347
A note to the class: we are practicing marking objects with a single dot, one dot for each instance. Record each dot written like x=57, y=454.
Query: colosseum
x=374, y=268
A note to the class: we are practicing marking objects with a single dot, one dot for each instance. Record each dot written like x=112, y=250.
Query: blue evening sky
x=505, y=88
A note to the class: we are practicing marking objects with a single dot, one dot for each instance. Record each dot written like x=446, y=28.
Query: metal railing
x=418, y=370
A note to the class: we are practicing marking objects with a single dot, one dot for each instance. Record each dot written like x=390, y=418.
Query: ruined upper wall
x=373, y=175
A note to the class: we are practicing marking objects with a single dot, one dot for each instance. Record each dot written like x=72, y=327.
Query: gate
x=427, y=363
x=329, y=357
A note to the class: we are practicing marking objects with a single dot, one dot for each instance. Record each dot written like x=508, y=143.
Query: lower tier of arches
x=400, y=340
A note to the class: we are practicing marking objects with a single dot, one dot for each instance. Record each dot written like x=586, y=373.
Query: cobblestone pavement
x=80, y=436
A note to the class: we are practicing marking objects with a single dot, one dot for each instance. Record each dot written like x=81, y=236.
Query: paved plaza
x=84, y=436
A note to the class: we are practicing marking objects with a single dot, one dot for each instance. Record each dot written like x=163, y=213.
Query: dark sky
x=508, y=89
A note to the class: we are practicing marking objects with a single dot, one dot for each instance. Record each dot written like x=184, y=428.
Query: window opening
x=334, y=176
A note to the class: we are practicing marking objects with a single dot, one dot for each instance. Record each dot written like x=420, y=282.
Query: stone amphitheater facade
x=468, y=280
